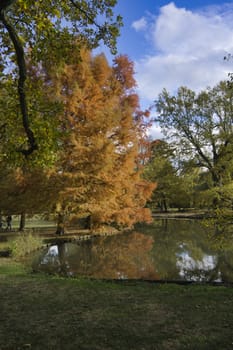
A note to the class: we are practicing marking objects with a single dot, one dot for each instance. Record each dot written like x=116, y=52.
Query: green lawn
x=44, y=312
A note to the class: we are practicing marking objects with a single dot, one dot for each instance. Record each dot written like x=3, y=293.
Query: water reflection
x=165, y=250
x=196, y=270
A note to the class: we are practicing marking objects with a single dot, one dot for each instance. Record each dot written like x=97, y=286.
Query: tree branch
x=5, y=4
x=21, y=82
x=92, y=21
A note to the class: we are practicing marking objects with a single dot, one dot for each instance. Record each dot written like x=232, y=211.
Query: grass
x=10, y=267
x=42, y=312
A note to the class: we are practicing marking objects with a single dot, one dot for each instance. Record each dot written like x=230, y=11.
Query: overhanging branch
x=32, y=145
x=78, y=7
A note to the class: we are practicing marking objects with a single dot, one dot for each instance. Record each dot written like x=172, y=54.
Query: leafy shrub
x=25, y=244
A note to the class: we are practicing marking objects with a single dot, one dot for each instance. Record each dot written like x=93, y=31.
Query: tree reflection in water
x=164, y=250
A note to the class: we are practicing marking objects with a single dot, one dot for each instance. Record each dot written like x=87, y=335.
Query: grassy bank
x=43, y=312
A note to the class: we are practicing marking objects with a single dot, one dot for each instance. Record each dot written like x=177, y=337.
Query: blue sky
x=174, y=43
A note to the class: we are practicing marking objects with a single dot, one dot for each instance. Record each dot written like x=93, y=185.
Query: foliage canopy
x=200, y=126
x=31, y=27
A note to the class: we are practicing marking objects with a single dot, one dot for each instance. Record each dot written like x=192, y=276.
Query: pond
x=168, y=249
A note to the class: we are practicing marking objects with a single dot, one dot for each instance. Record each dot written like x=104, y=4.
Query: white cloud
x=183, y=32
x=139, y=25
x=187, y=49
x=155, y=132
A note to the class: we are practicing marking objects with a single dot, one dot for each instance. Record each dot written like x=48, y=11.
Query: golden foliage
x=102, y=131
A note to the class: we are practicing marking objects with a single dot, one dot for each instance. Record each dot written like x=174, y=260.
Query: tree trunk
x=22, y=71
x=89, y=222
x=164, y=204
x=217, y=182
x=1, y=221
x=22, y=222
x=60, y=224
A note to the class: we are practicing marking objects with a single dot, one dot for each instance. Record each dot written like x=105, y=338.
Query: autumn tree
x=29, y=27
x=101, y=135
x=27, y=191
x=200, y=126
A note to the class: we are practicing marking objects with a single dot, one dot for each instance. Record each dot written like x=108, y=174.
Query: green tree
x=44, y=123
x=29, y=27
x=172, y=189
x=200, y=126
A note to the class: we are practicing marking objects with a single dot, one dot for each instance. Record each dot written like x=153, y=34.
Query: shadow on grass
x=42, y=312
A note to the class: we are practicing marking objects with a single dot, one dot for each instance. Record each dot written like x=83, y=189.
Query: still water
x=171, y=249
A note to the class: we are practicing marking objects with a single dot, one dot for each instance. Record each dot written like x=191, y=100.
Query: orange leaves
x=101, y=141
x=124, y=72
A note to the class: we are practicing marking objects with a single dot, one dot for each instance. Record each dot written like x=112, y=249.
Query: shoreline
x=181, y=215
